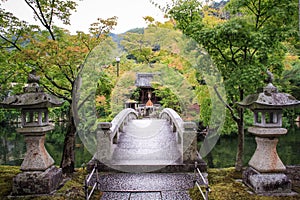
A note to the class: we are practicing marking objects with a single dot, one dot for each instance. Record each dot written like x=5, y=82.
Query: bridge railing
x=175, y=121
x=109, y=132
x=118, y=123
x=185, y=133
x=203, y=181
x=88, y=179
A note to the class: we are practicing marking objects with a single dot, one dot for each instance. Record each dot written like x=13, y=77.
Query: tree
x=56, y=55
x=242, y=47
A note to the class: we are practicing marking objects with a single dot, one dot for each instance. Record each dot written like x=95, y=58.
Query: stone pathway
x=146, y=186
x=144, y=146
x=147, y=142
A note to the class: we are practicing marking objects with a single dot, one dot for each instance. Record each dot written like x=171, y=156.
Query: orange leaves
x=176, y=63
x=103, y=26
x=100, y=100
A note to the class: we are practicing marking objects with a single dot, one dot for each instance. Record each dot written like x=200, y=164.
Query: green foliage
x=290, y=81
x=9, y=115
x=103, y=92
x=168, y=98
x=122, y=91
x=205, y=103
x=54, y=53
x=245, y=45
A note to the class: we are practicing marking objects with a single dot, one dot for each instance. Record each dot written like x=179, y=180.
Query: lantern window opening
x=38, y=117
x=268, y=118
x=258, y=117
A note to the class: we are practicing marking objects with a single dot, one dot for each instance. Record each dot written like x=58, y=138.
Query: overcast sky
x=130, y=13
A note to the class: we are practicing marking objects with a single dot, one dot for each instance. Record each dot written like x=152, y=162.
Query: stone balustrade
x=185, y=133
x=108, y=133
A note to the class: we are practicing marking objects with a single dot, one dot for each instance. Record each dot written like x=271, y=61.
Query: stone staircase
x=147, y=186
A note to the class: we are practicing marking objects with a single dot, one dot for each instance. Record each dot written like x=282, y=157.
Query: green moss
x=72, y=189
x=6, y=175
x=226, y=184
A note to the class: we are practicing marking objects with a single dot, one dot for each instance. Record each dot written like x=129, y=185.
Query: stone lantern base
x=267, y=183
x=37, y=182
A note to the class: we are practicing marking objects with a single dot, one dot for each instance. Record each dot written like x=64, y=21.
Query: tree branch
x=57, y=94
x=53, y=82
x=52, y=11
x=235, y=118
x=11, y=42
x=47, y=26
x=218, y=49
x=35, y=12
x=42, y=17
x=67, y=77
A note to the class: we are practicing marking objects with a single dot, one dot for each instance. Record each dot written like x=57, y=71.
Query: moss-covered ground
x=72, y=189
x=224, y=184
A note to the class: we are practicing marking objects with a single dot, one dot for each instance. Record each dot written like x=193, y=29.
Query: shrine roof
x=144, y=79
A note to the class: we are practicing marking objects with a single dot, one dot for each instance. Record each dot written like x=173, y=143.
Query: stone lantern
x=39, y=175
x=265, y=173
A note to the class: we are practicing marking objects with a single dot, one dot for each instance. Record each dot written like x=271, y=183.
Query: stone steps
x=156, y=186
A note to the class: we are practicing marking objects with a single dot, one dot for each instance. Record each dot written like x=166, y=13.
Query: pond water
x=12, y=148
x=224, y=153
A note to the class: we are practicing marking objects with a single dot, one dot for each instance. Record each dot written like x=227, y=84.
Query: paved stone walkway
x=143, y=145
x=146, y=186
x=147, y=142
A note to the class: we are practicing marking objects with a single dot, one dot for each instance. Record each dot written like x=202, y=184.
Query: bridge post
x=104, y=142
x=189, y=134
x=190, y=154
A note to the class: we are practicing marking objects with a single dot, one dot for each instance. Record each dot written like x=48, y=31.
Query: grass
x=224, y=184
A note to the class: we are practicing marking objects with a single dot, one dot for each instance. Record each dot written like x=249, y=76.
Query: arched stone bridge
x=158, y=145
x=163, y=144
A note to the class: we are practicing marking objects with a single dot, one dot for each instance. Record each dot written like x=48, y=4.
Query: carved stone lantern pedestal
x=265, y=174
x=39, y=175
x=265, y=158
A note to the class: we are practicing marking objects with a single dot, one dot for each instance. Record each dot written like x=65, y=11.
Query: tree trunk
x=68, y=158
x=240, y=148
x=299, y=17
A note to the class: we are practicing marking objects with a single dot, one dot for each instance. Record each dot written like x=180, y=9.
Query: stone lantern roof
x=31, y=100
x=33, y=96
x=270, y=98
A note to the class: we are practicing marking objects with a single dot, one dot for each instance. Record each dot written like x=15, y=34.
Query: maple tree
x=53, y=52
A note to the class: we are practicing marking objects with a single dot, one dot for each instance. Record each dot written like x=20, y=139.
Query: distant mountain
x=115, y=37
x=221, y=4
x=118, y=37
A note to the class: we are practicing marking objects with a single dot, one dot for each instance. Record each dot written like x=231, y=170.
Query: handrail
x=118, y=121
x=87, y=180
x=185, y=133
x=174, y=117
x=175, y=120
x=205, y=183
x=109, y=132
